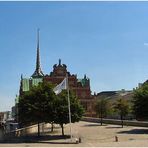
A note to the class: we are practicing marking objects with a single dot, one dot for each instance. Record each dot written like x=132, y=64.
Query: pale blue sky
x=107, y=41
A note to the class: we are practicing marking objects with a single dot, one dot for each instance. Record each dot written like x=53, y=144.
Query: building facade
x=81, y=87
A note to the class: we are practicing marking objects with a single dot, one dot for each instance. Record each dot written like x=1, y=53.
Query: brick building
x=81, y=87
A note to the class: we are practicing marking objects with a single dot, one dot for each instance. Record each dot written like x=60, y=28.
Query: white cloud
x=145, y=44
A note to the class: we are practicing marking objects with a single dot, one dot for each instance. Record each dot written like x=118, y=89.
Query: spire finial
x=59, y=61
x=38, y=72
x=85, y=76
x=21, y=76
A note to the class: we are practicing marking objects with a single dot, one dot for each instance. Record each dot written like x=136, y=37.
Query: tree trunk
x=122, y=120
x=62, y=129
x=38, y=129
x=101, y=114
x=51, y=126
x=101, y=120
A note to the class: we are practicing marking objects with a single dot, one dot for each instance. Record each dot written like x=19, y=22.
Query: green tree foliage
x=140, y=101
x=37, y=105
x=122, y=107
x=40, y=104
x=101, y=108
x=62, y=112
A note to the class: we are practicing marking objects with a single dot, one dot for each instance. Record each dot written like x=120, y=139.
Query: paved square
x=94, y=135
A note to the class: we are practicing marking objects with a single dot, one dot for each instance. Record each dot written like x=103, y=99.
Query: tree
x=40, y=104
x=37, y=105
x=101, y=108
x=140, y=101
x=62, y=112
x=122, y=107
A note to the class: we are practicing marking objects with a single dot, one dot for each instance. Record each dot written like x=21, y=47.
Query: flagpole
x=69, y=106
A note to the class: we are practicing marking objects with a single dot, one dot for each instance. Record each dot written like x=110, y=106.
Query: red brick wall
x=83, y=93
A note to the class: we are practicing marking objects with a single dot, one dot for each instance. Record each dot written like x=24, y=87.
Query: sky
x=107, y=41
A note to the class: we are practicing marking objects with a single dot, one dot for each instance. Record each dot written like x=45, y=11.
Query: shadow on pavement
x=94, y=125
x=56, y=142
x=114, y=127
x=41, y=139
x=135, y=131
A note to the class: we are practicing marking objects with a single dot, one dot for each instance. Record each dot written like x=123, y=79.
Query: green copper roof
x=25, y=83
x=17, y=99
x=82, y=81
x=36, y=81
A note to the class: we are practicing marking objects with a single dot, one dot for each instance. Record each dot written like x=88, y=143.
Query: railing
x=118, y=122
x=25, y=132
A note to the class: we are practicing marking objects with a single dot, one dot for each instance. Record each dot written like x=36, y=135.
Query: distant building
x=112, y=97
x=81, y=87
x=4, y=116
x=13, y=112
x=1, y=116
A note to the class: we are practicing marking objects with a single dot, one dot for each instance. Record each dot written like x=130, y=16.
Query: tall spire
x=38, y=53
x=38, y=72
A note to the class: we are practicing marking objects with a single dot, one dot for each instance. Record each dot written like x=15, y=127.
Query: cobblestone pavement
x=94, y=135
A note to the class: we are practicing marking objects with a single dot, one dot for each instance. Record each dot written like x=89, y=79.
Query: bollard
x=80, y=140
x=116, y=138
x=77, y=141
